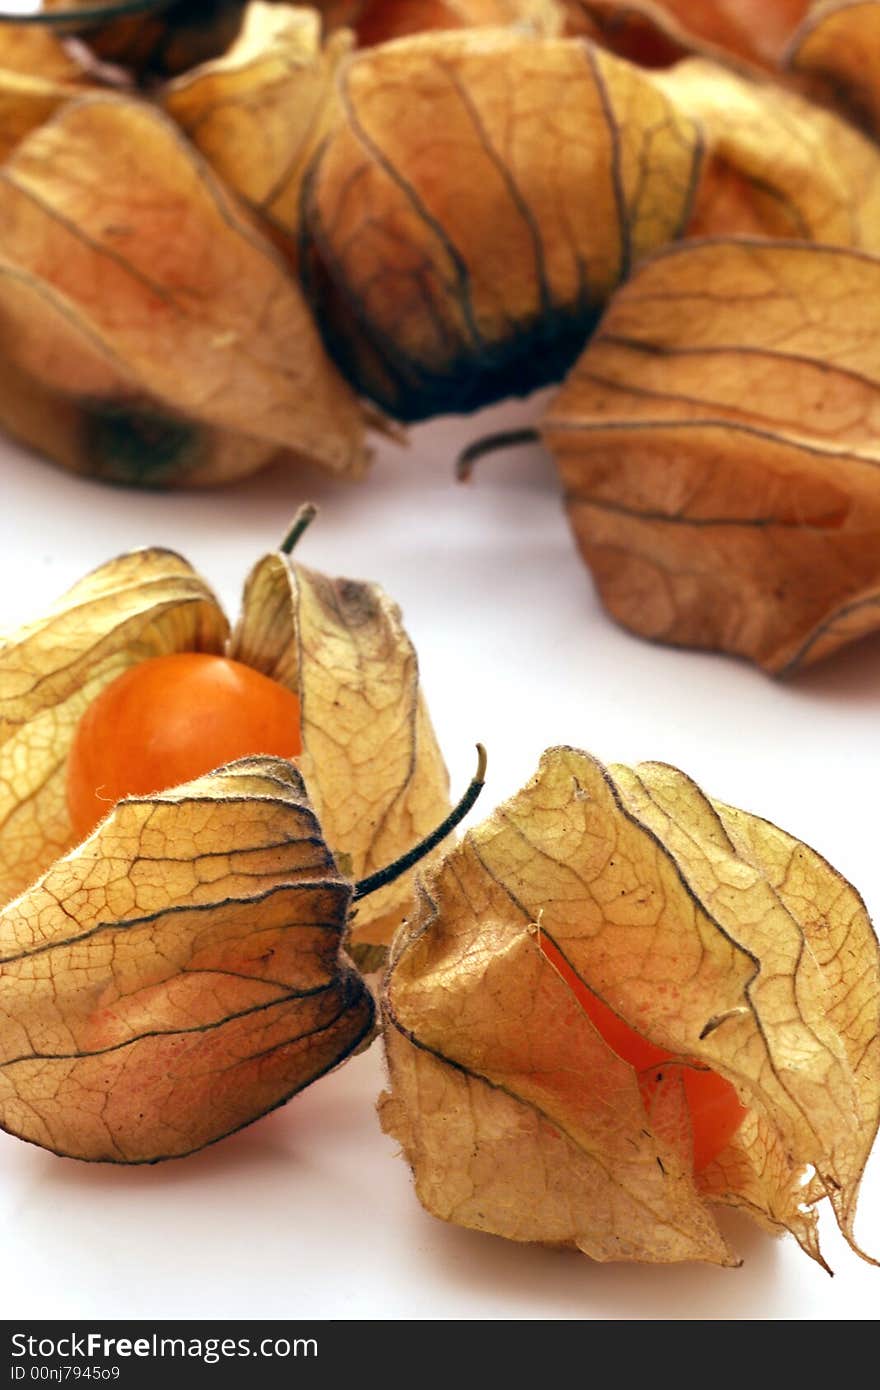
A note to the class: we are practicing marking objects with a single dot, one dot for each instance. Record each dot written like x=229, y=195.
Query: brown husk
x=718, y=448
x=145, y=604
x=485, y=193
x=148, y=332
x=749, y=34
x=259, y=112
x=378, y=21
x=370, y=758
x=776, y=164
x=718, y=937
x=838, y=48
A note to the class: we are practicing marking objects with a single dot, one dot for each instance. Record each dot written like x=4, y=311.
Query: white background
x=310, y=1212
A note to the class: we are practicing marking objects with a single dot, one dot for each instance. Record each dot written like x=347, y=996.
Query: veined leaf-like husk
x=259, y=112
x=371, y=762
x=838, y=46
x=748, y=33
x=36, y=77
x=178, y=974
x=776, y=164
x=377, y=21
x=370, y=758
x=718, y=937
x=148, y=332
x=145, y=604
x=485, y=193
x=718, y=446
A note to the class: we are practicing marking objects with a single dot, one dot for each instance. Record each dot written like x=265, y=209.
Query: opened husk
x=370, y=757
x=484, y=194
x=371, y=762
x=717, y=443
x=178, y=973
x=710, y=932
x=145, y=604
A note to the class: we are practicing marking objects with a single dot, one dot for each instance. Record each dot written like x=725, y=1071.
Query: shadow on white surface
x=310, y=1212
x=576, y=1287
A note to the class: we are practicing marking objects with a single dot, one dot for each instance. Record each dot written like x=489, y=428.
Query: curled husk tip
x=710, y=932
x=181, y=971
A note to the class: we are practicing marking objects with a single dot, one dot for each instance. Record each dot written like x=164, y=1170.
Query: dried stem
x=406, y=861
x=489, y=444
x=303, y=519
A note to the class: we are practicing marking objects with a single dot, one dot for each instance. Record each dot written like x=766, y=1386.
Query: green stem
x=505, y=439
x=301, y=522
x=381, y=877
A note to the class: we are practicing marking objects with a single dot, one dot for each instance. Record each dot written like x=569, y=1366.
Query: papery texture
x=259, y=112
x=750, y=33
x=370, y=758
x=34, y=51
x=377, y=21
x=178, y=974
x=708, y=931
x=141, y=605
x=776, y=164
x=484, y=194
x=838, y=46
x=149, y=333
x=718, y=447
x=37, y=75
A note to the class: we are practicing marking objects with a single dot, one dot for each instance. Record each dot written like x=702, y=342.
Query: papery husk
x=717, y=442
x=641, y=32
x=145, y=604
x=153, y=339
x=776, y=164
x=25, y=103
x=33, y=51
x=720, y=938
x=378, y=21
x=179, y=973
x=259, y=112
x=486, y=192
x=838, y=48
x=37, y=75
x=749, y=34
x=370, y=758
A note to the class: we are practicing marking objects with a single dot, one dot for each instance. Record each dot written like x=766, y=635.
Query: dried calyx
x=602, y=942
x=183, y=968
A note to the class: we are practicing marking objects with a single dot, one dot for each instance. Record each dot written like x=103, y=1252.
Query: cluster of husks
x=428, y=207
x=181, y=970
x=461, y=204
x=184, y=969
